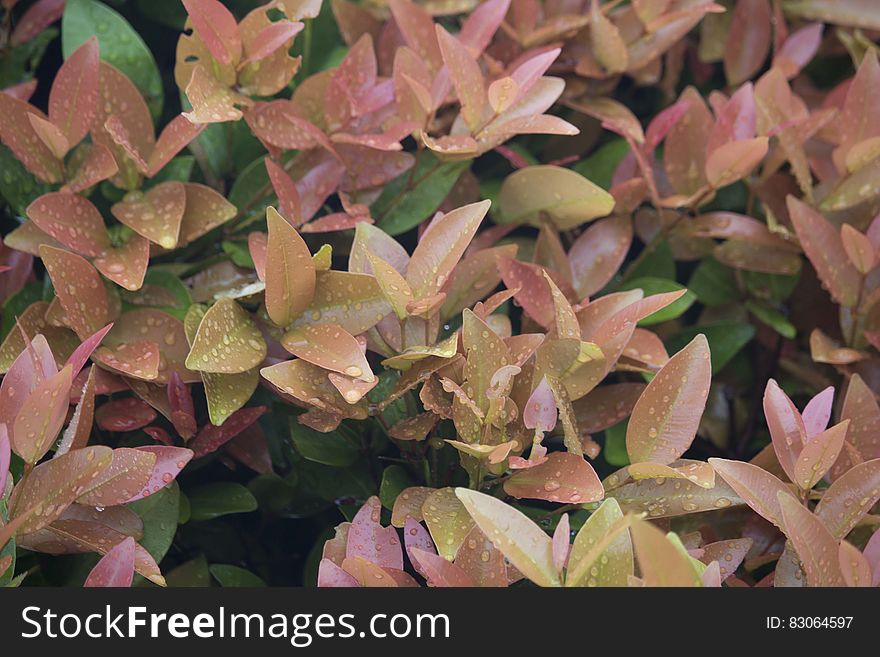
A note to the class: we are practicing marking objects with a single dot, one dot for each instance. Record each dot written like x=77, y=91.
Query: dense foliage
x=446, y=293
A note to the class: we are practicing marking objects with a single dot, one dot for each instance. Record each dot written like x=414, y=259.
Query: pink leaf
x=73, y=99
x=127, y=414
x=332, y=576
x=438, y=571
x=817, y=412
x=116, y=567
x=5, y=456
x=561, y=542
x=564, y=477
x=216, y=27
x=798, y=49
x=786, y=425
x=540, y=411
x=169, y=462
x=415, y=536
x=368, y=539
x=211, y=437
x=83, y=352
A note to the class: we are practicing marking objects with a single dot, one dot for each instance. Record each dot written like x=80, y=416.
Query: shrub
x=571, y=293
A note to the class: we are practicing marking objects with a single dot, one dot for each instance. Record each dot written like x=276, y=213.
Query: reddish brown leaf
x=564, y=478
x=73, y=99
x=290, y=271
x=80, y=289
x=116, y=568
x=72, y=220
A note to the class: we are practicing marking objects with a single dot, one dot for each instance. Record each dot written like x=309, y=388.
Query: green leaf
x=775, y=288
x=413, y=196
x=657, y=264
x=599, y=166
x=234, y=577
x=326, y=448
x=220, y=499
x=524, y=544
x=179, y=168
x=652, y=286
x=159, y=513
x=725, y=338
x=120, y=45
x=615, y=445
x=17, y=186
x=772, y=318
x=394, y=479
x=713, y=283
x=192, y=574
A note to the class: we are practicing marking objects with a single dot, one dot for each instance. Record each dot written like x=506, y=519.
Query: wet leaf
x=448, y=521
x=290, y=272
x=565, y=196
x=660, y=431
x=528, y=548
x=661, y=562
x=227, y=341
x=155, y=214
x=116, y=568
x=850, y=498
x=756, y=486
x=602, y=535
x=79, y=288
x=564, y=478
x=815, y=545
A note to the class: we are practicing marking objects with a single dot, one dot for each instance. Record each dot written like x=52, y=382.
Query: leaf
x=227, y=341
x=483, y=562
x=441, y=247
x=119, y=43
x=564, y=478
x=850, y=498
x=669, y=498
x=169, y=462
x=176, y=135
x=159, y=513
x=609, y=47
x=74, y=94
x=41, y=416
x=19, y=136
x=756, y=486
x=369, y=540
x=155, y=214
x=439, y=571
x=815, y=545
x=859, y=249
x=51, y=487
x=528, y=548
x=568, y=198
x=726, y=339
x=734, y=160
x=353, y=301
x=787, y=430
x=602, y=553
x=126, y=414
x=661, y=431
x=79, y=288
x=235, y=577
x=126, y=264
x=819, y=454
x=210, y=438
x=748, y=40
x=826, y=252
x=220, y=499
x=661, y=562
x=448, y=520
x=466, y=77
x=216, y=27
x=329, y=346
x=598, y=252
x=861, y=408
x=211, y=100
x=851, y=13
x=327, y=448
x=290, y=271
x=205, y=210
x=653, y=286
x=116, y=567
x=122, y=480
x=410, y=199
